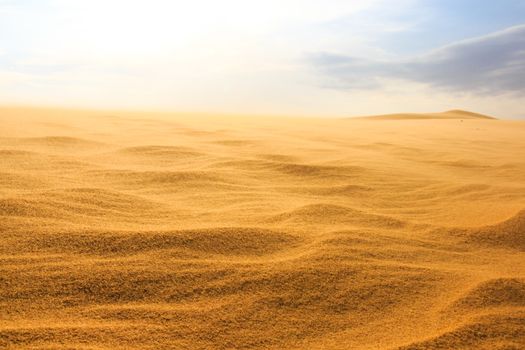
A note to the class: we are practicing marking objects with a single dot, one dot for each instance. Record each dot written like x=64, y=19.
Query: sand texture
x=151, y=231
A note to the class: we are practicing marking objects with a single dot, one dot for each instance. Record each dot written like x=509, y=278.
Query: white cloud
x=494, y=63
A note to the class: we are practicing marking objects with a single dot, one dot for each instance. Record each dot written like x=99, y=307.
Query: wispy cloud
x=494, y=64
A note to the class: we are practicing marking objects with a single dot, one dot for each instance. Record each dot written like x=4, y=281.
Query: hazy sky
x=313, y=57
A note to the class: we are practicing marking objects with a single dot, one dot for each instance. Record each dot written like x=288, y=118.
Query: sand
x=154, y=231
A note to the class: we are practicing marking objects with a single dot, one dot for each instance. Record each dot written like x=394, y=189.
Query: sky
x=330, y=58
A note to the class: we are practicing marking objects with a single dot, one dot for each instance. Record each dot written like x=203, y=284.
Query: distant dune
x=453, y=114
x=156, y=231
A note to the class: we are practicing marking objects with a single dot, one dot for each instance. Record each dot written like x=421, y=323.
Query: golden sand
x=156, y=231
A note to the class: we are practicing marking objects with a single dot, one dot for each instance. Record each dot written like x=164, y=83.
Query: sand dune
x=452, y=114
x=155, y=231
x=509, y=233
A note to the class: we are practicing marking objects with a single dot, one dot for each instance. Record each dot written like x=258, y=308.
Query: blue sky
x=313, y=57
x=446, y=21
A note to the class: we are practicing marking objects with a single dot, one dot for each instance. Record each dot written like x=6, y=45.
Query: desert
x=137, y=230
